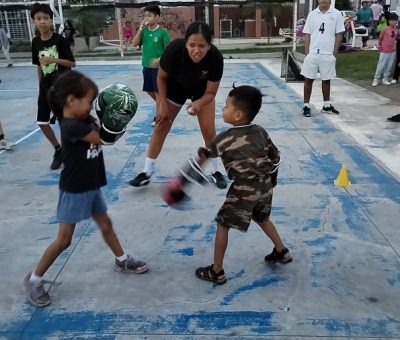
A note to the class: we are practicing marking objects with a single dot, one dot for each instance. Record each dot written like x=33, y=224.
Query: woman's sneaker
x=6, y=145
x=140, y=180
x=130, y=265
x=282, y=257
x=57, y=159
x=35, y=292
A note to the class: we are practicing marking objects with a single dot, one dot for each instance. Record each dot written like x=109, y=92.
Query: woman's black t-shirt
x=186, y=78
x=84, y=168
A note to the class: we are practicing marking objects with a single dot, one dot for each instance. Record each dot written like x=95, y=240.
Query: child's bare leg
x=220, y=245
x=62, y=242
x=105, y=224
x=269, y=229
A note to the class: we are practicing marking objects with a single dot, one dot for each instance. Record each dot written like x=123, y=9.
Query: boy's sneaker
x=57, y=159
x=375, y=82
x=282, y=257
x=219, y=180
x=130, y=265
x=329, y=109
x=140, y=180
x=395, y=118
x=306, y=111
x=394, y=81
x=6, y=145
x=386, y=82
x=35, y=292
x=153, y=123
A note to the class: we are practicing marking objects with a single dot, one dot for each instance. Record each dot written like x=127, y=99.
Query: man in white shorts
x=323, y=35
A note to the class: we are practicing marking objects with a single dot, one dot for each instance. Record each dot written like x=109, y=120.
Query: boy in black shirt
x=71, y=98
x=52, y=54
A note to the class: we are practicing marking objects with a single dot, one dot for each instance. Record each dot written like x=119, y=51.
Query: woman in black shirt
x=190, y=68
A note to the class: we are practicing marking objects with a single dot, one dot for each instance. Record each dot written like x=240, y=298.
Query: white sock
x=121, y=258
x=149, y=165
x=307, y=105
x=214, y=165
x=34, y=278
x=327, y=104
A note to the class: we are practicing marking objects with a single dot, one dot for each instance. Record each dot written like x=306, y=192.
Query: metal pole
x=118, y=17
x=294, y=25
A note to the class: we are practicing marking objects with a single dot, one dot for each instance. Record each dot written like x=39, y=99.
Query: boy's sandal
x=208, y=274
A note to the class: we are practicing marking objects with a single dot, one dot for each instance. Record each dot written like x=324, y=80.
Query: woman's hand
x=193, y=108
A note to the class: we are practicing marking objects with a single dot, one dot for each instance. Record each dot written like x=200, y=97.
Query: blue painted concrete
x=344, y=280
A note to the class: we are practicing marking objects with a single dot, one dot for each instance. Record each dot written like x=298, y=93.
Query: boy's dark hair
x=393, y=16
x=44, y=8
x=69, y=83
x=152, y=9
x=248, y=99
x=364, y=2
x=199, y=27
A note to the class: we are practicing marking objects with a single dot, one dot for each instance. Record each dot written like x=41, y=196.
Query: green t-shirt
x=153, y=44
x=365, y=15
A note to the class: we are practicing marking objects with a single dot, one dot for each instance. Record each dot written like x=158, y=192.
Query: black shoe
x=140, y=180
x=57, y=159
x=219, y=180
x=395, y=118
x=282, y=257
x=330, y=109
x=306, y=111
x=10, y=65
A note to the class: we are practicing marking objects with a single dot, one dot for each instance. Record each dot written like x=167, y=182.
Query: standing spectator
x=69, y=33
x=377, y=10
x=154, y=40
x=365, y=17
x=323, y=34
x=387, y=46
x=127, y=33
x=4, y=144
x=52, y=55
x=397, y=63
x=5, y=46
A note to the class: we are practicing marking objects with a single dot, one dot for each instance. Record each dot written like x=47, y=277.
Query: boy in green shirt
x=154, y=40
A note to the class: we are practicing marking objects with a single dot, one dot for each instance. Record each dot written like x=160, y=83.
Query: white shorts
x=324, y=64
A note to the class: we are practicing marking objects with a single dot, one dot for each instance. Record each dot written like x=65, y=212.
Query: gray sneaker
x=130, y=265
x=35, y=292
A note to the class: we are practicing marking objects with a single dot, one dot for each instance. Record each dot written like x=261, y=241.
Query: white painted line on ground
x=23, y=138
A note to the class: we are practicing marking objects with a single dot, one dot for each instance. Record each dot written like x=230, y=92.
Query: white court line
x=23, y=138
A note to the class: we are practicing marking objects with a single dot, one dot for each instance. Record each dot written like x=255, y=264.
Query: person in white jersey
x=323, y=34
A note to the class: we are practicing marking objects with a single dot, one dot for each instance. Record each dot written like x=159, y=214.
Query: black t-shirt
x=56, y=47
x=83, y=162
x=189, y=77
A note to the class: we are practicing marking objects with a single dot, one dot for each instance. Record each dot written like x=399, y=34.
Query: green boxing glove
x=115, y=106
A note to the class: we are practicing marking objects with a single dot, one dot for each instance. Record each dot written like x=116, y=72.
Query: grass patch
x=358, y=65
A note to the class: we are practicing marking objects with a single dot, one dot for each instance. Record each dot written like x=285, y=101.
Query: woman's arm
x=162, y=86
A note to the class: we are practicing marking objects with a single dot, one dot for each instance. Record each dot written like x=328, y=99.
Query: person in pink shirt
x=127, y=33
x=387, y=46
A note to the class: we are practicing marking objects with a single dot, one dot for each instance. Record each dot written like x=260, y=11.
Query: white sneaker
x=375, y=82
x=394, y=81
x=386, y=82
x=153, y=123
x=6, y=145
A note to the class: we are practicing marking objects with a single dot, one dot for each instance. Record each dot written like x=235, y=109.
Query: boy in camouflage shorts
x=251, y=160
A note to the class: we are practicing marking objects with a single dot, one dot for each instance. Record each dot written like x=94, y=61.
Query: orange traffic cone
x=342, y=179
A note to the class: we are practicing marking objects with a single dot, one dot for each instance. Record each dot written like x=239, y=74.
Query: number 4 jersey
x=322, y=28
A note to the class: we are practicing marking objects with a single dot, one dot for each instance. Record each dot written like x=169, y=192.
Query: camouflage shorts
x=245, y=201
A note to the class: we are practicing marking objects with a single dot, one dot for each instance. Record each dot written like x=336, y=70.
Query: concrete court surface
x=344, y=281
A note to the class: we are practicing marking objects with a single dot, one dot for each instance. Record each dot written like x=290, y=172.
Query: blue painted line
x=49, y=323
